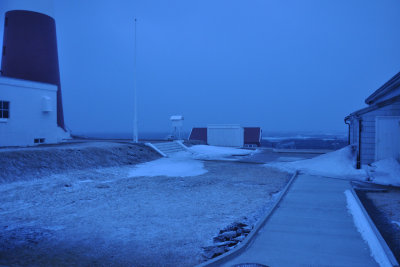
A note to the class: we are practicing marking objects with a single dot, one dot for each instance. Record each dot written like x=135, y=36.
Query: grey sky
x=284, y=65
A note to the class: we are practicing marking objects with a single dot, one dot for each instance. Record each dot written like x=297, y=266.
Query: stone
x=226, y=243
x=247, y=229
x=239, y=238
x=218, y=239
x=212, y=252
x=239, y=231
x=225, y=236
x=233, y=227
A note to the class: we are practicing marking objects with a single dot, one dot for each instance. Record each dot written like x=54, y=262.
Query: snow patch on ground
x=216, y=152
x=385, y=172
x=289, y=159
x=184, y=164
x=365, y=230
x=335, y=164
x=180, y=165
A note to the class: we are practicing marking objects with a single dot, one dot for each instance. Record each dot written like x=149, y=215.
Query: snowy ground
x=159, y=213
x=182, y=164
x=217, y=153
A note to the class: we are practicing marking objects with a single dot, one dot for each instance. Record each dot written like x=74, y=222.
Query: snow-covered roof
x=392, y=85
x=385, y=95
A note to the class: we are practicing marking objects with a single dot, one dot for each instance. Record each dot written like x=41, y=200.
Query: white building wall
x=368, y=130
x=225, y=135
x=33, y=112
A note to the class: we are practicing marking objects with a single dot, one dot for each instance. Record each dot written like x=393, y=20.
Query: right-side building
x=374, y=131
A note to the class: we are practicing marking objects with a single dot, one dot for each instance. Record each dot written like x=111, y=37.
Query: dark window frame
x=4, y=109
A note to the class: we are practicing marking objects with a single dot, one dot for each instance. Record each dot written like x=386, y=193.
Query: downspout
x=359, y=144
x=348, y=135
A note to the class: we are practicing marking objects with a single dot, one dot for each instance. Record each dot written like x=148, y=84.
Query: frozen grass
x=37, y=162
x=105, y=216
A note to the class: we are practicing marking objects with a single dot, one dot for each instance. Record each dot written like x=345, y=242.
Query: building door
x=387, y=137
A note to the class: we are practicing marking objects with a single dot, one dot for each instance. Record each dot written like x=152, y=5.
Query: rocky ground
x=80, y=207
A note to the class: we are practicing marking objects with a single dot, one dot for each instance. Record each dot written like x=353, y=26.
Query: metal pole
x=359, y=144
x=135, y=126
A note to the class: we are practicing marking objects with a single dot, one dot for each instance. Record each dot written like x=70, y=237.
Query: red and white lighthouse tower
x=29, y=49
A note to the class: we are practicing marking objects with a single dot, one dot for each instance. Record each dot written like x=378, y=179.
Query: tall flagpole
x=135, y=126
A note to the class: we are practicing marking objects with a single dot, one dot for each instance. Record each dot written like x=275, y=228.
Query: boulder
x=225, y=236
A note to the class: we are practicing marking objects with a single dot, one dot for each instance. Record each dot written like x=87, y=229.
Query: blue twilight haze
x=283, y=65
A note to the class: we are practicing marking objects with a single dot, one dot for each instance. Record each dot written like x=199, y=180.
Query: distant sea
x=284, y=140
x=142, y=135
x=329, y=141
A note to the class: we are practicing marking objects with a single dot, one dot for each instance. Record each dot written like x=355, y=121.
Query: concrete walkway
x=310, y=227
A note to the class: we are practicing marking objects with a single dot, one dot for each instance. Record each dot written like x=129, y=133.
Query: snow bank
x=337, y=164
x=340, y=164
x=385, y=172
x=216, y=152
x=366, y=231
x=185, y=164
x=180, y=165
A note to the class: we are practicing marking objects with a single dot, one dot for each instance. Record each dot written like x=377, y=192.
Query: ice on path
x=216, y=152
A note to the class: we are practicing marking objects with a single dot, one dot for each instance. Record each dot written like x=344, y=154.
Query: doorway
x=387, y=138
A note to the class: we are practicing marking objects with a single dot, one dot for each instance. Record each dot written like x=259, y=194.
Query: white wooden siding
x=368, y=141
x=387, y=137
x=225, y=135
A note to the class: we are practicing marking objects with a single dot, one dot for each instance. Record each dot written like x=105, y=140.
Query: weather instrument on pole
x=177, y=123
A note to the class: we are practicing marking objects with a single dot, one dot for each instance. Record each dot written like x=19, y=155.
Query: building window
x=4, y=109
x=39, y=140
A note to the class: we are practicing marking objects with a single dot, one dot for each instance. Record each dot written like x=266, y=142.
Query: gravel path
x=102, y=217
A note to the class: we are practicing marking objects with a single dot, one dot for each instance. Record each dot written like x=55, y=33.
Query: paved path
x=311, y=227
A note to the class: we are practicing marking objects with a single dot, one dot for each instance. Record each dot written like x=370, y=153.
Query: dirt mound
x=32, y=163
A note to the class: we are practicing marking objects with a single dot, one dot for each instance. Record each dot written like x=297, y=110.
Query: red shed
x=252, y=135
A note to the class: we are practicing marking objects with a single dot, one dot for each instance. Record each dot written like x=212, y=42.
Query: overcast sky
x=284, y=65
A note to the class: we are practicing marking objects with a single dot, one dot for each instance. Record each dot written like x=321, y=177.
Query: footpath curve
x=310, y=225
